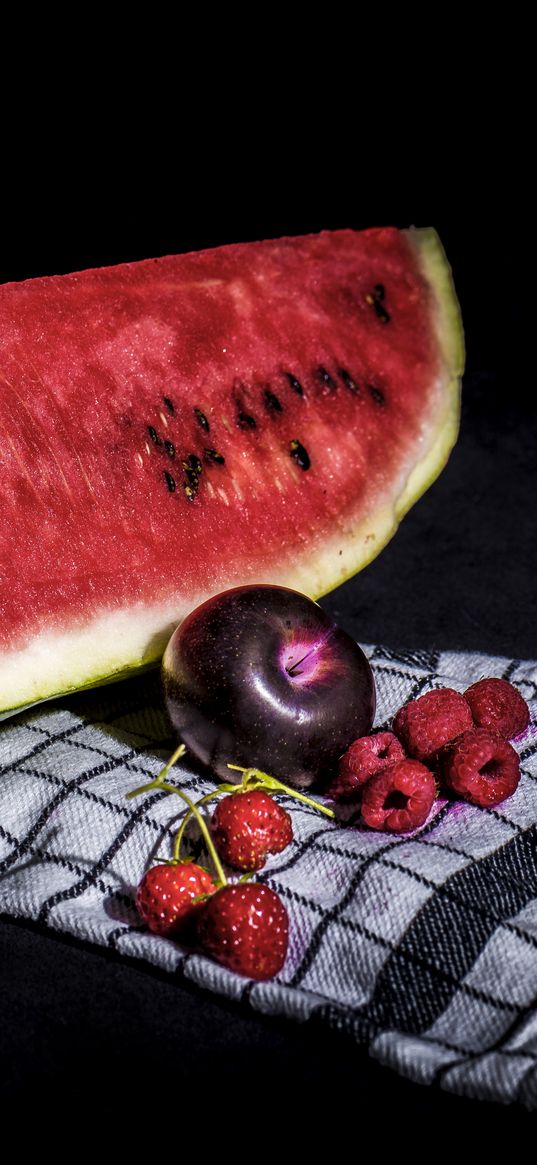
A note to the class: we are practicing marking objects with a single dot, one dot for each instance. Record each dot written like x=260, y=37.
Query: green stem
x=203, y=828
x=273, y=783
x=222, y=788
x=157, y=783
x=184, y=823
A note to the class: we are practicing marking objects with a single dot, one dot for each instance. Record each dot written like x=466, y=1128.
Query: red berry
x=366, y=756
x=433, y=720
x=165, y=896
x=246, y=928
x=248, y=826
x=399, y=798
x=497, y=705
x=482, y=767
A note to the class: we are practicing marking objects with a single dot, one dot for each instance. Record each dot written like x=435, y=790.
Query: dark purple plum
x=261, y=676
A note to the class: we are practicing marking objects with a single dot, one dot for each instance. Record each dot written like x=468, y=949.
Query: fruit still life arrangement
x=196, y=448
x=262, y=674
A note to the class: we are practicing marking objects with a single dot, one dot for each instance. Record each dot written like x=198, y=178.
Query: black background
x=459, y=574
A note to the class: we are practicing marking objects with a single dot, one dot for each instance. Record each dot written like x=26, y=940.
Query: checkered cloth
x=423, y=946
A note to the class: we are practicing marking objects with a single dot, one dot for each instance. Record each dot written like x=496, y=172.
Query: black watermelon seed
x=154, y=435
x=213, y=457
x=170, y=448
x=325, y=378
x=202, y=420
x=377, y=395
x=192, y=463
x=375, y=301
x=170, y=481
x=169, y=404
x=245, y=421
x=348, y=381
x=192, y=479
x=190, y=492
x=381, y=311
x=299, y=454
x=295, y=384
x=272, y=404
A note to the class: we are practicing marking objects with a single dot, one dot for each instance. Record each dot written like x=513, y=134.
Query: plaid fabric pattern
x=423, y=946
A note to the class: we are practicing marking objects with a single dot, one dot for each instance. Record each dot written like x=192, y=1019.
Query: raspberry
x=248, y=826
x=365, y=757
x=497, y=705
x=399, y=798
x=482, y=767
x=433, y=720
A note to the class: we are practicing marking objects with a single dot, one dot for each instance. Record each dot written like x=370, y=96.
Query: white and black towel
x=423, y=946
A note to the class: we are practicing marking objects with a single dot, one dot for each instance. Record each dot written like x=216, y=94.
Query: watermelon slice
x=263, y=412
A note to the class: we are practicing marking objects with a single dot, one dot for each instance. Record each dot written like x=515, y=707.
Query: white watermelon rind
x=116, y=645
x=450, y=334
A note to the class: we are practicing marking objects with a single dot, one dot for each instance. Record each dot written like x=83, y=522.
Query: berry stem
x=160, y=783
x=203, y=827
x=157, y=783
x=184, y=823
x=273, y=783
x=223, y=788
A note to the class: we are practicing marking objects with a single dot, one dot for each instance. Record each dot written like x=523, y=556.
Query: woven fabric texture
x=423, y=946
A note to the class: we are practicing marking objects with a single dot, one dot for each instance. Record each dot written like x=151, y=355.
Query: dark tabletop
x=78, y=1022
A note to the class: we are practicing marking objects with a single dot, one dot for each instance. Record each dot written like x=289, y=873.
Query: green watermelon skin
x=255, y=413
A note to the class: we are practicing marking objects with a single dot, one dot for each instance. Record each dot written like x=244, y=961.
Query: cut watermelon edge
x=142, y=633
x=373, y=533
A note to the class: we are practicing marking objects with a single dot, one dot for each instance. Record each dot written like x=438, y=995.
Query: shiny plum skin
x=261, y=676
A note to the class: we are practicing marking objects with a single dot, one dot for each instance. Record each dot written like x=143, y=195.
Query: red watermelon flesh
x=254, y=413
